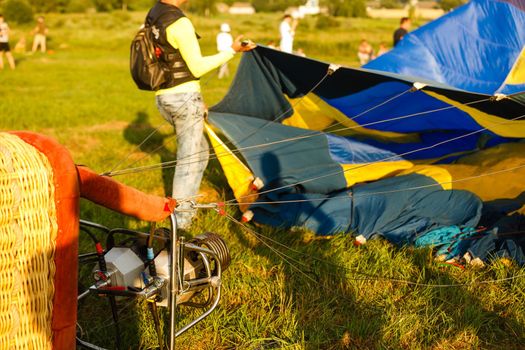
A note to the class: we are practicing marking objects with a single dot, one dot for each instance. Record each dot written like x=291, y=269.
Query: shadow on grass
x=338, y=311
x=476, y=315
x=137, y=132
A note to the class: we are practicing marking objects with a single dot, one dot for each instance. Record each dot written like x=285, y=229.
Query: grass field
x=82, y=94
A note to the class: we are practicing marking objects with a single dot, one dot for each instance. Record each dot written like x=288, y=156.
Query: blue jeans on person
x=185, y=111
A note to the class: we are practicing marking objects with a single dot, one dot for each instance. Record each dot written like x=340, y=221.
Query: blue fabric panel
x=406, y=105
x=349, y=151
x=323, y=214
x=512, y=89
x=473, y=48
x=394, y=209
x=492, y=245
x=285, y=163
x=433, y=145
x=257, y=90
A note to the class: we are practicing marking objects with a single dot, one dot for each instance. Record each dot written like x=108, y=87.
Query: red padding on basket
x=66, y=255
x=126, y=200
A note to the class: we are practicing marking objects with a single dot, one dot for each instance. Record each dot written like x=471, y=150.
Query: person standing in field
x=180, y=101
x=40, y=35
x=382, y=49
x=287, y=31
x=4, y=45
x=365, y=52
x=403, y=29
x=224, y=43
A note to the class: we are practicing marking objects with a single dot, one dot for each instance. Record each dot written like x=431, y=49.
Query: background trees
x=23, y=10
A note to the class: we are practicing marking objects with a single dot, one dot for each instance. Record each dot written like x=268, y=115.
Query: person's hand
x=240, y=45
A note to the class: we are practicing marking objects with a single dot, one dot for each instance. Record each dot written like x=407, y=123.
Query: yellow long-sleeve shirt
x=181, y=35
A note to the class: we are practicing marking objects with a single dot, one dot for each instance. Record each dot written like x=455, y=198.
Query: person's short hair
x=225, y=27
x=404, y=19
x=1, y=15
x=287, y=15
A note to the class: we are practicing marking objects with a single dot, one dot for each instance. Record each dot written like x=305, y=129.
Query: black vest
x=160, y=17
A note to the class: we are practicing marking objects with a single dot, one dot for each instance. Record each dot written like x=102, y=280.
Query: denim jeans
x=185, y=111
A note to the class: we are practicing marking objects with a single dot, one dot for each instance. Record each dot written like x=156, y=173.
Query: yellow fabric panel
x=500, y=126
x=312, y=113
x=355, y=173
x=239, y=177
x=438, y=173
x=504, y=185
x=517, y=74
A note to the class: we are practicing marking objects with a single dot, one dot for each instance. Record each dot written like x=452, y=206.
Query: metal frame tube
x=174, y=281
x=210, y=310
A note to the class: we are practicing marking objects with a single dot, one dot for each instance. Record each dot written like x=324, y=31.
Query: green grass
x=82, y=95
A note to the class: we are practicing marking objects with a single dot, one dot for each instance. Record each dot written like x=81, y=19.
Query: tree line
x=23, y=10
x=18, y=9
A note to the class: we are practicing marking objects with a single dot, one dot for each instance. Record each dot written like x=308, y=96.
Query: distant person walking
x=287, y=31
x=40, y=35
x=403, y=29
x=224, y=44
x=4, y=45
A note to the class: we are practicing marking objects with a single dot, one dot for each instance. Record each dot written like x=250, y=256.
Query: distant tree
x=391, y=4
x=346, y=8
x=140, y=4
x=325, y=22
x=203, y=7
x=102, y=5
x=448, y=5
x=18, y=11
x=275, y=5
x=40, y=6
x=79, y=6
x=109, y=5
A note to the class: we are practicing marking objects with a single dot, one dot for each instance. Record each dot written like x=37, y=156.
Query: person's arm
x=181, y=35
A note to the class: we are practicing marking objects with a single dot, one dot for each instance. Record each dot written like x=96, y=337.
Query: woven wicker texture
x=28, y=230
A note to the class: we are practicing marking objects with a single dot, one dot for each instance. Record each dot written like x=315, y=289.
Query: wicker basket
x=39, y=201
x=28, y=230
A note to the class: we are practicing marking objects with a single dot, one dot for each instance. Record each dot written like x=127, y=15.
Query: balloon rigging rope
x=149, y=136
x=437, y=184
x=129, y=169
x=113, y=171
x=366, y=277
x=371, y=163
x=231, y=202
x=171, y=164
